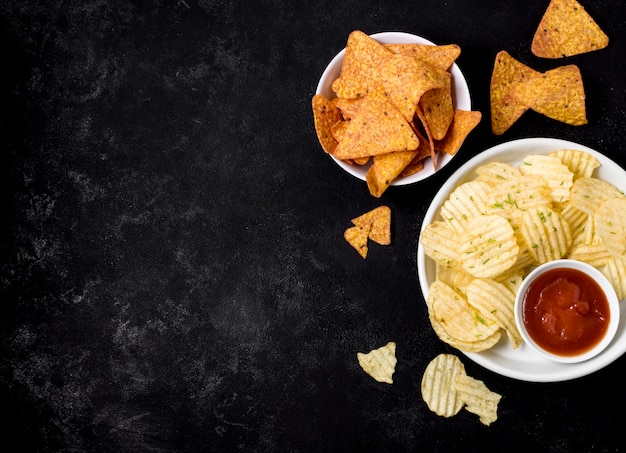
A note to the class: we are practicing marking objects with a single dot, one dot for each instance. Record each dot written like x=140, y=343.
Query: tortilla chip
x=505, y=108
x=380, y=220
x=385, y=169
x=417, y=164
x=558, y=94
x=429, y=136
x=325, y=116
x=438, y=110
x=378, y=128
x=566, y=29
x=357, y=238
x=438, y=56
x=359, y=72
x=464, y=122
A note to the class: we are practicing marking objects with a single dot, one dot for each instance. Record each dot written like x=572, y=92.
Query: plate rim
x=460, y=81
x=562, y=372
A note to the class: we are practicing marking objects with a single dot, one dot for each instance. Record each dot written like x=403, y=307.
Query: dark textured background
x=173, y=274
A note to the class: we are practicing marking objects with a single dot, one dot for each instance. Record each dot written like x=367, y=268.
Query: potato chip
x=463, y=122
x=442, y=56
x=558, y=94
x=357, y=238
x=379, y=220
x=505, y=108
x=441, y=243
x=437, y=385
x=493, y=173
x=325, y=116
x=556, y=174
x=467, y=200
x=589, y=193
x=461, y=345
x=380, y=363
x=615, y=271
x=385, y=169
x=488, y=248
x=477, y=398
x=378, y=128
x=360, y=69
x=521, y=193
x=455, y=278
x=595, y=254
x=580, y=163
x=610, y=226
x=566, y=29
x=546, y=234
x=495, y=301
x=438, y=110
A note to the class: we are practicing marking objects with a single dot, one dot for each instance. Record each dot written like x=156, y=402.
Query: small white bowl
x=460, y=97
x=605, y=286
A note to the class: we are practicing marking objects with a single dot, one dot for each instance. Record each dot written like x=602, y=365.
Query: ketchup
x=565, y=312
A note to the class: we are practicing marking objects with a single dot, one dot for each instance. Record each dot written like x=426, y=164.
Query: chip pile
x=492, y=230
x=393, y=109
x=374, y=225
x=446, y=389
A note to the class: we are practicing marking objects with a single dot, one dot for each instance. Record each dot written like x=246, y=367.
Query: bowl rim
x=605, y=285
x=461, y=96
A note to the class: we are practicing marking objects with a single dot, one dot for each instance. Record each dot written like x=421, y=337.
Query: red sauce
x=565, y=312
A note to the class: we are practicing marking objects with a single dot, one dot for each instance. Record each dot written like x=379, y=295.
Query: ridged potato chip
x=488, y=248
x=580, y=163
x=589, y=193
x=615, y=271
x=495, y=172
x=595, y=254
x=553, y=171
x=380, y=363
x=441, y=243
x=610, y=226
x=546, y=234
x=437, y=385
x=477, y=398
x=466, y=201
x=521, y=193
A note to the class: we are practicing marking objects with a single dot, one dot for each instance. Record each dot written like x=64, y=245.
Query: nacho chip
x=438, y=110
x=357, y=238
x=385, y=169
x=378, y=128
x=442, y=56
x=505, y=108
x=437, y=385
x=380, y=363
x=380, y=221
x=359, y=72
x=566, y=29
x=325, y=116
x=558, y=94
x=463, y=123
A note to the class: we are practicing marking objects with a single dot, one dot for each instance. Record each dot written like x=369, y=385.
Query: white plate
x=460, y=97
x=524, y=363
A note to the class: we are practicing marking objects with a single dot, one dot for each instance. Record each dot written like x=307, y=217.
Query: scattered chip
x=379, y=363
x=357, y=238
x=438, y=385
x=380, y=220
x=477, y=398
x=566, y=29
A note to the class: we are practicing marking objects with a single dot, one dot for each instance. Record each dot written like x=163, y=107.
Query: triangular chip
x=380, y=363
x=385, y=169
x=325, y=116
x=378, y=128
x=558, y=94
x=380, y=220
x=506, y=109
x=417, y=164
x=357, y=238
x=438, y=110
x=439, y=56
x=463, y=123
x=566, y=29
x=359, y=71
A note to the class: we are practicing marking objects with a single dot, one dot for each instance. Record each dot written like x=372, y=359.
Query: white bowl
x=605, y=286
x=460, y=97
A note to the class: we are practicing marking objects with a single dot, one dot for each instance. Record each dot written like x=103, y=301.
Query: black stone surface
x=173, y=274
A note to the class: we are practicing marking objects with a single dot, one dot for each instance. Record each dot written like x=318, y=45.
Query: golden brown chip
x=505, y=108
x=477, y=398
x=463, y=123
x=437, y=385
x=348, y=107
x=442, y=56
x=558, y=94
x=325, y=116
x=385, y=169
x=566, y=29
x=378, y=128
x=360, y=68
x=357, y=237
x=380, y=363
x=438, y=110
x=379, y=220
